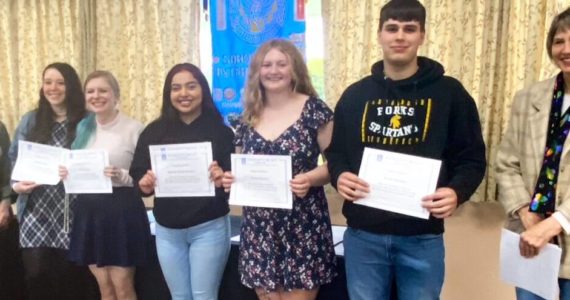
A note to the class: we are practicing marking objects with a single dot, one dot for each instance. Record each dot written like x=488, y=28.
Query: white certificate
x=538, y=274
x=86, y=172
x=182, y=170
x=38, y=163
x=398, y=181
x=262, y=181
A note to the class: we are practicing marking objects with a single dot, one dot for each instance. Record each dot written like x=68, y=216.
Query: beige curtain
x=494, y=47
x=137, y=40
x=350, y=42
x=35, y=33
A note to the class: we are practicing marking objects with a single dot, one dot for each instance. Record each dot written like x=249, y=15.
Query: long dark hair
x=169, y=113
x=74, y=102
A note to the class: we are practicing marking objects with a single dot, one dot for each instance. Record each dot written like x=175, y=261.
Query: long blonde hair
x=254, y=96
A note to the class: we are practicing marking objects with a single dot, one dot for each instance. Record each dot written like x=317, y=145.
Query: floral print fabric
x=292, y=249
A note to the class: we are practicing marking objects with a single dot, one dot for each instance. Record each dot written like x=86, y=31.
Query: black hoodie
x=428, y=115
x=184, y=212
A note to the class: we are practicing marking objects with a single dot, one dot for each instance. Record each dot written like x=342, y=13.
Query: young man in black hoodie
x=408, y=106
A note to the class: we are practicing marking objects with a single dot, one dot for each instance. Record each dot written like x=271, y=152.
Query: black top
x=428, y=115
x=5, y=166
x=183, y=212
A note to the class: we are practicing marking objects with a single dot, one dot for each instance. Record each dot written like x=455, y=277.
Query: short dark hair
x=404, y=11
x=169, y=113
x=561, y=21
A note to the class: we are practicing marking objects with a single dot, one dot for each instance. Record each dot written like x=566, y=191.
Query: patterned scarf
x=543, y=200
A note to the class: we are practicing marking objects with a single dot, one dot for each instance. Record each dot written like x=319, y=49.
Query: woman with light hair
x=286, y=254
x=110, y=233
x=534, y=185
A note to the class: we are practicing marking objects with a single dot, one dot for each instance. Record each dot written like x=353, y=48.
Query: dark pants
x=11, y=269
x=49, y=275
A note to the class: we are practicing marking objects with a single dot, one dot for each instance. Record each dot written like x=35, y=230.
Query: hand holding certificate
x=86, y=172
x=182, y=170
x=538, y=274
x=398, y=181
x=262, y=181
x=38, y=163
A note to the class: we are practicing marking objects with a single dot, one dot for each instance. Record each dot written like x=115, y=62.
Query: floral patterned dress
x=292, y=249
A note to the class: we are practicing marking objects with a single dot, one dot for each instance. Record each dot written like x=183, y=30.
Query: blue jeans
x=373, y=261
x=193, y=259
x=564, y=285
